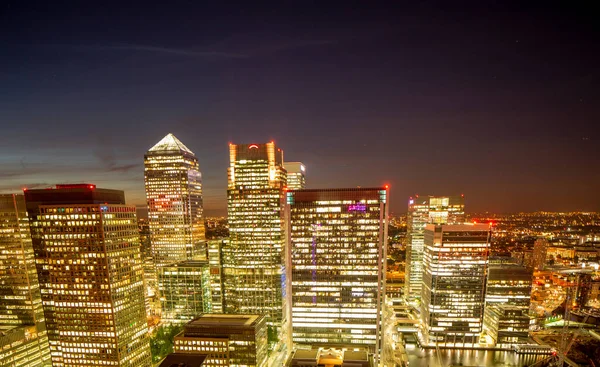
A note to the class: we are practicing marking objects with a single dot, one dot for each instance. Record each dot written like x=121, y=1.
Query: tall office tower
x=540, y=250
x=454, y=278
x=184, y=289
x=509, y=284
x=61, y=194
x=423, y=210
x=174, y=196
x=254, y=269
x=87, y=249
x=225, y=340
x=507, y=300
x=337, y=245
x=23, y=337
x=296, y=175
x=215, y=260
x=150, y=281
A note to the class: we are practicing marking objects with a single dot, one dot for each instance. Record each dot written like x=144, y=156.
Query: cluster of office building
x=463, y=297
x=302, y=271
x=300, y=267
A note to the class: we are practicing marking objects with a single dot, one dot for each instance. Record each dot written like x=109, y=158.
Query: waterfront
x=427, y=358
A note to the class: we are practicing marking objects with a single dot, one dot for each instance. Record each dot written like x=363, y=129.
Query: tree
x=161, y=343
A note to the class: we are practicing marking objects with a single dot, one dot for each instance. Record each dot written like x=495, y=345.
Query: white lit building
x=337, y=244
x=174, y=197
x=296, y=175
x=454, y=280
x=421, y=211
x=254, y=268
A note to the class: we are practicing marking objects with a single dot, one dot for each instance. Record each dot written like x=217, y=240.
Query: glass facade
x=421, y=211
x=226, y=340
x=174, y=197
x=507, y=301
x=506, y=325
x=215, y=261
x=509, y=284
x=184, y=291
x=23, y=336
x=254, y=271
x=454, y=280
x=97, y=287
x=296, y=175
x=337, y=245
x=23, y=346
x=150, y=281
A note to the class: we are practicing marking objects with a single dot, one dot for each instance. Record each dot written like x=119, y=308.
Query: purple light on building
x=358, y=207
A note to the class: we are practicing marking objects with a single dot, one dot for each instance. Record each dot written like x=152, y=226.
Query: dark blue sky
x=495, y=101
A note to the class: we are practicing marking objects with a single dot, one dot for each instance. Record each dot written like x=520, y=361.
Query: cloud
x=155, y=49
x=12, y=188
x=108, y=160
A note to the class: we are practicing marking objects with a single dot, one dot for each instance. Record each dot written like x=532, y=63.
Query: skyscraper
x=540, y=251
x=507, y=300
x=454, y=278
x=215, y=261
x=254, y=271
x=61, y=194
x=337, y=244
x=421, y=211
x=174, y=196
x=296, y=175
x=87, y=247
x=23, y=337
x=184, y=290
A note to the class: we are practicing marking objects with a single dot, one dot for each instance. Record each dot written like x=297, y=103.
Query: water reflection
x=428, y=358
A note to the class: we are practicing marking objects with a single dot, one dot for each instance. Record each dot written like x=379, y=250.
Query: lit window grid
x=24, y=346
x=506, y=325
x=254, y=259
x=96, y=274
x=175, y=208
x=20, y=297
x=185, y=291
x=455, y=271
x=421, y=211
x=244, y=346
x=336, y=268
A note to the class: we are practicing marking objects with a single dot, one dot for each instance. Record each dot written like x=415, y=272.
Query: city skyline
x=498, y=100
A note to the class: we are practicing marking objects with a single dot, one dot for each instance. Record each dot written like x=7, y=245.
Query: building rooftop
x=466, y=227
x=224, y=320
x=509, y=272
x=355, y=356
x=170, y=144
x=189, y=264
x=306, y=354
x=183, y=360
x=354, y=193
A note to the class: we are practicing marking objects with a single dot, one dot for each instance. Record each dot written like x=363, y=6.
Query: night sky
x=499, y=102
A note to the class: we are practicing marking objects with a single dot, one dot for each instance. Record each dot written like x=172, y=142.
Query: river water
x=428, y=358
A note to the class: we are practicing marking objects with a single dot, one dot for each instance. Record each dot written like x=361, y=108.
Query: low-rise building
x=225, y=340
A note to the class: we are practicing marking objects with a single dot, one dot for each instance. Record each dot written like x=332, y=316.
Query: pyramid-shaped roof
x=170, y=144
